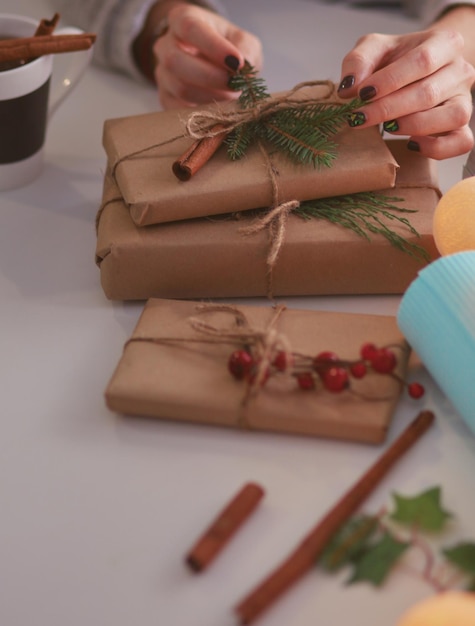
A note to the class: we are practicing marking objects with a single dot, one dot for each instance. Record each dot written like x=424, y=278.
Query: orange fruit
x=454, y=218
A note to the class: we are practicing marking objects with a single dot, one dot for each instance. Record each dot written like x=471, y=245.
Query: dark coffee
x=11, y=65
x=23, y=124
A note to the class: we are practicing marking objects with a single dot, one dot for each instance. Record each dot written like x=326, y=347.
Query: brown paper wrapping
x=207, y=258
x=191, y=382
x=154, y=195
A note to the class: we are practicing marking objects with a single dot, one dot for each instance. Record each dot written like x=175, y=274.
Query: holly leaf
x=348, y=542
x=376, y=563
x=424, y=510
x=462, y=556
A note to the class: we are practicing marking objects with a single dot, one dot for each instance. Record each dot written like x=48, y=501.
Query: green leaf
x=462, y=556
x=376, y=563
x=423, y=511
x=348, y=542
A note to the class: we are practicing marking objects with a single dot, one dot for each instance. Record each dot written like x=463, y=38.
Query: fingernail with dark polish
x=414, y=146
x=358, y=118
x=391, y=126
x=346, y=83
x=232, y=62
x=367, y=93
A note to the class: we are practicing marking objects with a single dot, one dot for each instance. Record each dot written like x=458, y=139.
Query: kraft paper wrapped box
x=210, y=257
x=165, y=373
x=154, y=194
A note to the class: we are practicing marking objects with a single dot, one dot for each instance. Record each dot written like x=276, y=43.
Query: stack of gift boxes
x=159, y=237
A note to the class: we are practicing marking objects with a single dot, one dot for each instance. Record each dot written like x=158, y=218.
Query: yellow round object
x=452, y=608
x=454, y=218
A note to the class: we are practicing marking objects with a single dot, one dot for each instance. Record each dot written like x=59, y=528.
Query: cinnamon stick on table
x=30, y=47
x=307, y=552
x=198, y=154
x=224, y=526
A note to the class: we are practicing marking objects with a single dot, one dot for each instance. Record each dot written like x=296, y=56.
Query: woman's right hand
x=196, y=54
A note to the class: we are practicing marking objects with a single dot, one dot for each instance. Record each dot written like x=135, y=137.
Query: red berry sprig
x=326, y=369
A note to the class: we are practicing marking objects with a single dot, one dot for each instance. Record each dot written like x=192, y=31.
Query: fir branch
x=303, y=144
x=303, y=130
x=328, y=117
x=364, y=213
x=252, y=87
x=239, y=140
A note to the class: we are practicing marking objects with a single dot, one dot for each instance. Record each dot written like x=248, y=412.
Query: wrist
x=461, y=18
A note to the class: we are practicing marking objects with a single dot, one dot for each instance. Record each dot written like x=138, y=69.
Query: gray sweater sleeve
x=116, y=23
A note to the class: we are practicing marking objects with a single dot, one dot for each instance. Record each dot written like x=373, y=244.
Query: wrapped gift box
x=166, y=373
x=210, y=257
x=154, y=195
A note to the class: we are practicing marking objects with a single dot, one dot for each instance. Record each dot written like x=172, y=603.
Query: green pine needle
x=304, y=133
x=364, y=213
x=252, y=87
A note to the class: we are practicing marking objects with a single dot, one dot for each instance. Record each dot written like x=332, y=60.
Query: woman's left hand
x=418, y=85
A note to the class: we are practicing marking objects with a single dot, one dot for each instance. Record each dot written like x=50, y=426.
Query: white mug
x=26, y=103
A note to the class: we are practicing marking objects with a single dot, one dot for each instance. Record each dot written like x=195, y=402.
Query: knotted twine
x=265, y=344
x=210, y=123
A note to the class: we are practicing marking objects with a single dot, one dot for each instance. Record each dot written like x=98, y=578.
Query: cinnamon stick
x=46, y=27
x=308, y=551
x=29, y=47
x=224, y=527
x=198, y=154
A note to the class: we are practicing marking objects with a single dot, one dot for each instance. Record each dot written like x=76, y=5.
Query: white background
x=97, y=510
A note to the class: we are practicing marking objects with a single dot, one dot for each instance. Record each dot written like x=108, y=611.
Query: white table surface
x=97, y=510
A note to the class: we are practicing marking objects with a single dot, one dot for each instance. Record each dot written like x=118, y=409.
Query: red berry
x=323, y=360
x=306, y=381
x=240, y=363
x=367, y=351
x=383, y=361
x=358, y=370
x=282, y=360
x=416, y=390
x=335, y=379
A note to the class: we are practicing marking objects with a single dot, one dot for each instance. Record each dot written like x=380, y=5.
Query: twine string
x=265, y=343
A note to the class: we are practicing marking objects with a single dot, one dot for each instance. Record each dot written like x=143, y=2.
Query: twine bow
x=265, y=344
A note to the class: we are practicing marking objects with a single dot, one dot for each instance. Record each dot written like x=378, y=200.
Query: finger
x=437, y=52
x=450, y=81
x=380, y=64
x=208, y=33
x=362, y=61
x=445, y=146
x=191, y=68
x=451, y=115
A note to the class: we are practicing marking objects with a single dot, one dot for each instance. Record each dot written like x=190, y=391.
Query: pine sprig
x=365, y=213
x=252, y=87
x=305, y=145
x=302, y=131
x=305, y=132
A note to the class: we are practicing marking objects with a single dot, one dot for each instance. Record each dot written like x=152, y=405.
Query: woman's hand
x=195, y=55
x=418, y=85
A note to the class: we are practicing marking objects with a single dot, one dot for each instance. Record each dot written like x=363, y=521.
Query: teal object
x=437, y=317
